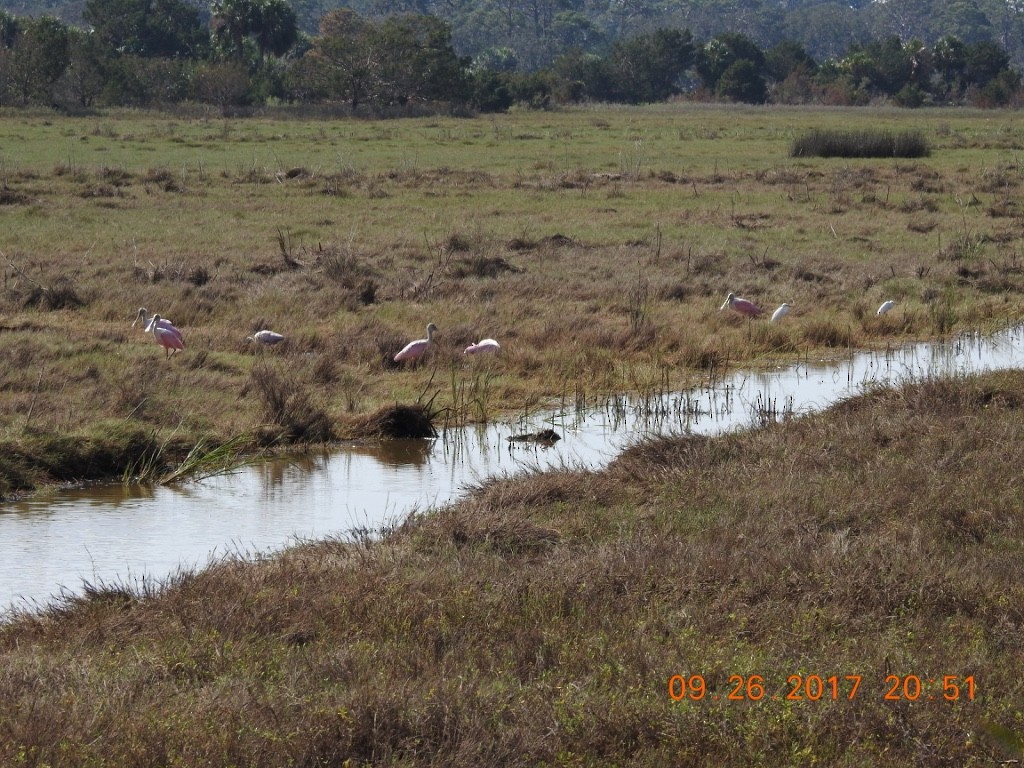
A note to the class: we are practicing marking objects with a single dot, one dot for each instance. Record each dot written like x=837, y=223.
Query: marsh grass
x=206, y=459
x=861, y=144
x=288, y=404
x=589, y=242
x=543, y=615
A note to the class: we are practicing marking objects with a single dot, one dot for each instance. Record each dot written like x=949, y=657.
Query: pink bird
x=743, y=306
x=484, y=345
x=169, y=338
x=414, y=349
x=148, y=327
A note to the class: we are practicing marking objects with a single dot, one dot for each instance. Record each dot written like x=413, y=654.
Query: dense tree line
x=251, y=52
x=531, y=34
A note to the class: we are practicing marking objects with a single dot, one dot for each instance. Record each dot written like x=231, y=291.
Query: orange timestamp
x=800, y=687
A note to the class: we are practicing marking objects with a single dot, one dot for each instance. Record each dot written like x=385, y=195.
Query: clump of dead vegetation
x=289, y=405
x=393, y=421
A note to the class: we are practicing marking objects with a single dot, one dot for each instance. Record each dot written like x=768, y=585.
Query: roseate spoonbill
x=148, y=322
x=886, y=306
x=414, y=349
x=168, y=338
x=743, y=306
x=268, y=338
x=484, y=345
x=780, y=313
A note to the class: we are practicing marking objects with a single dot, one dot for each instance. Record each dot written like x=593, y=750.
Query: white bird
x=484, y=345
x=269, y=338
x=886, y=306
x=780, y=313
x=143, y=315
x=415, y=349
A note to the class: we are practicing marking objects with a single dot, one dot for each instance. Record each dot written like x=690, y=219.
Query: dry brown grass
x=538, y=621
x=395, y=422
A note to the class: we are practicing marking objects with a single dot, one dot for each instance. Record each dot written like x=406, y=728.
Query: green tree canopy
x=401, y=58
x=148, y=28
x=742, y=81
x=37, y=59
x=649, y=67
x=721, y=52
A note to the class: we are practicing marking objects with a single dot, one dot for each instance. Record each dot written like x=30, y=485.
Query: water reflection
x=395, y=453
x=124, y=534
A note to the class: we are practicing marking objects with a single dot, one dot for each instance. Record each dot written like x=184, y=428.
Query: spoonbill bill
x=886, y=306
x=414, y=350
x=743, y=306
x=267, y=338
x=484, y=345
x=143, y=315
x=168, y=338
x=780, y=313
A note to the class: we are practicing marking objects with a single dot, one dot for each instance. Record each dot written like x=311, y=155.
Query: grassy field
x=595, y=244
x=800, y=578
x=842, y=589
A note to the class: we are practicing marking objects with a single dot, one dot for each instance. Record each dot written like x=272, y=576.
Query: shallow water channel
x=128, y=535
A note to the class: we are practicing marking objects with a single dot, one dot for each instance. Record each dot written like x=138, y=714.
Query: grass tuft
x=863, y=143
x=288, y=404
x=394, y=421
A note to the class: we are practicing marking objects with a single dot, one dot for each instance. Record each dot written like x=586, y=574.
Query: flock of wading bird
x=172, y=340
x=748, y=308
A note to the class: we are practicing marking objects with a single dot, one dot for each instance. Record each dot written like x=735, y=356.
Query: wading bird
x=484, y=345
x=148, y=322
x=780, y=313
x=414, y=349
x=743, y=306
x=267, y=338
x=886, y=306
x=168, y=338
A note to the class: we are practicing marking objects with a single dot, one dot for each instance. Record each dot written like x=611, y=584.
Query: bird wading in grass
x=780, y=313
x=484, y=345
x=169, y=338
x=744, y=307
x=414, y=350
x=266, y=338
x=147, y=322
x=886, y=306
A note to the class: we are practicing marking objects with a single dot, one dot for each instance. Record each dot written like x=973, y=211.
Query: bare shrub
x=61, y=294
x=349, y=271
x=287, y=403
x=162, y=178
x=395, y=421
x=198, y=276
